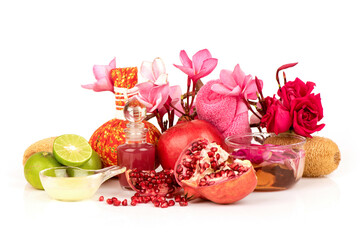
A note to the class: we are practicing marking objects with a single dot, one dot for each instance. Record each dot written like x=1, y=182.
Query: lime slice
x=72, y=150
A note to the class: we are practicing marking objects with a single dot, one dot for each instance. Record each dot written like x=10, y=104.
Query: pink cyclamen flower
x=102, y=76
x=239, y=85
x=202, y=64
x=154, y=71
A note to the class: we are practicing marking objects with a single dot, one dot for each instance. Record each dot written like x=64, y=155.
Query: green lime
x=37, y=162
x=72, y=150
x=94, y=162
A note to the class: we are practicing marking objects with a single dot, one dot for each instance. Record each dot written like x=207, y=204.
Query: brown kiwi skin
x=322, y=157
x=44, y=145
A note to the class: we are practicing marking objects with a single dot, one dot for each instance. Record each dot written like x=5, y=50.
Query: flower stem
x=250, y=108
x=192, y=98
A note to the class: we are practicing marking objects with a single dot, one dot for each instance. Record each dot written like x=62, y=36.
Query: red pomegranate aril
x=171, y=203
x=109, y=201
x=156, y=203
x=101, y=198
x=213, y=149
x=177, y=198
x=164, y=204
x=183, y=204
x=117, y=203
x=133, y=203
x=124, y=202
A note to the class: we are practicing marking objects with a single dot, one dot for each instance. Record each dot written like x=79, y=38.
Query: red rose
x=306, y=112
x=294, y=89
x=277, y=118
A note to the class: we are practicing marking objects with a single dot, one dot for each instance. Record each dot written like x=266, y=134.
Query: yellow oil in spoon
x=75, y=184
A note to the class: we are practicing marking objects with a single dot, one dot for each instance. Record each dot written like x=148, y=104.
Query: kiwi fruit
x=322, y=157
x=44, y=145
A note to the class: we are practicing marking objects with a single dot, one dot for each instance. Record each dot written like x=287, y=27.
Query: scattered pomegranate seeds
x=158, y=201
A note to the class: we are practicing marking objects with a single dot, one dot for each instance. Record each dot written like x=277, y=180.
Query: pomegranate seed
x=101, y=198
x=114, y=199
x=217, y=156
x=164, y=204
x=117, y=203
x=133, y=203
x=124, y=202
x=177, y=198
x=179, y=169
x=109, y=201
x=213, y=149
x=156, y=203
x=210, y=154
x=171, y=203
x=182, y=204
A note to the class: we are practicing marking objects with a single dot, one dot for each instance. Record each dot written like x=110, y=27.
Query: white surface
x=47, y=51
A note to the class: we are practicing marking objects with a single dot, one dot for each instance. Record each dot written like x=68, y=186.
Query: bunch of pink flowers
x=297, y=108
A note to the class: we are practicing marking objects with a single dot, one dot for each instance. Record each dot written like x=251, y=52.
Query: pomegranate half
x=175, y=139
x=205, y=170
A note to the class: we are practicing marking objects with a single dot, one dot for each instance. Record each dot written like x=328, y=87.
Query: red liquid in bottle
x=135, y=155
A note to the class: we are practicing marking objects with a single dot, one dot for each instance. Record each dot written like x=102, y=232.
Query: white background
x=47, y=50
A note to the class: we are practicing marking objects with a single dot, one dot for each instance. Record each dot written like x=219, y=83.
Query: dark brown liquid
x=274, y=177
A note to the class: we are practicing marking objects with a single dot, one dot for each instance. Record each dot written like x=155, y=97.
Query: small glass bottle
x=136, y=152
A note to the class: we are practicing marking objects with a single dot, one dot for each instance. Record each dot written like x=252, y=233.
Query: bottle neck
x=135, y=133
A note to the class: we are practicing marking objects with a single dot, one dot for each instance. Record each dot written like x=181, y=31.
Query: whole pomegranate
x=175, y=139
x=205, y=170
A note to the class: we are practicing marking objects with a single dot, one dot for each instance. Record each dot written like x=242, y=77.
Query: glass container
x=277, y=159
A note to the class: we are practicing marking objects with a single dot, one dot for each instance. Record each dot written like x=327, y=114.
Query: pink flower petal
x=88, y=86
x=158, y=68
x=207, y=67
x=241, y=107
x=101, y=71
x=185, y=60
x=199, y=58
x=161, y=80
x=250, y=90
x=227, y=79
x=186, y=70
x=146, y=71
x=175, y=93
x=220, y=89
x=112, y=63
x=238, y=75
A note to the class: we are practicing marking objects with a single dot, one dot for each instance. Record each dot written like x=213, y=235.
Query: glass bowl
x=277, y=159
x=73, y=183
